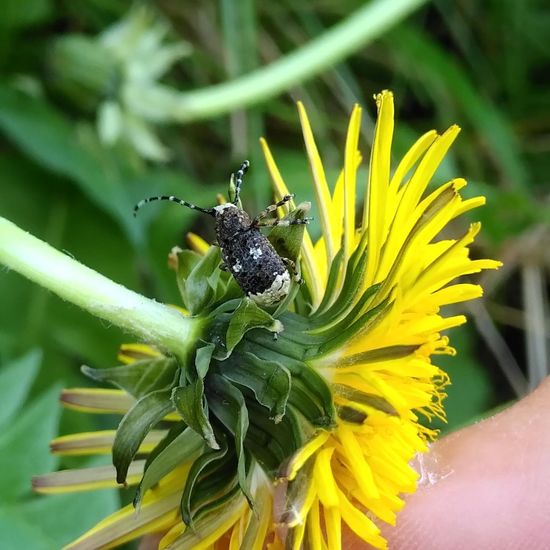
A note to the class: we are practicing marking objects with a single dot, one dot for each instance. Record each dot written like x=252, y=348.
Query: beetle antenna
x=239, y=175
x=171, y=198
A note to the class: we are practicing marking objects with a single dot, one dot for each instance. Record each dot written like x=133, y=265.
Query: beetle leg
x=293, y=270
x=271, y=208
x=282, y=223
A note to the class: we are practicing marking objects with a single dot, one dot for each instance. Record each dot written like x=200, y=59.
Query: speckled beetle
x=263, y=275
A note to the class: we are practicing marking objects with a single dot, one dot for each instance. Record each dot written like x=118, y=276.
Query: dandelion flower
x=246, y=441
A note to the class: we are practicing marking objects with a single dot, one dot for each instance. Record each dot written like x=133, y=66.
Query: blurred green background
x=103, y=103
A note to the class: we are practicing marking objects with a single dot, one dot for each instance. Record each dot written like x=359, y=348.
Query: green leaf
x=139, y=378
x=135, y=425
x=345, y=331
x=25, y=443
x=225, y=490
x=186, y=261
x=200, y=286
x=348, y=295
x=309, y=389
x=173, y=432
x=292, y=342
x=111, y=178
x=214, y=280
x=67, y=516
x=309, y=392
x=246, y=317
x=294, y=297
x=271, y=443
x=51, y=139
x=182, y=448
x=347, y=299
x=16, y=379
x=209, y=474
x=51, y=522
x=80, y=68
x=296, y=494
x=262, y=507
x=190, y=402
x=441, y=69
x=314, y=410
x=19, y=530
x=231, y=291
x=333, y=276
x=209, y=522
x=287, y=241
x=202, y=359
x=268, y=380
x=229, y=406
x=18, y=15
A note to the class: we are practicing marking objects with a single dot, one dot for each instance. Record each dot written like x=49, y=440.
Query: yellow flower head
x=382, y=377
x=279, y=442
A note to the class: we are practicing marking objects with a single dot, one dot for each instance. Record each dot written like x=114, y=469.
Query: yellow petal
x=379, y=178
x=350, y=180
x=128, y=353
x=333, y=527
x=237, y=533
x=158, y=512
x=470, y=204
x=175, y=532
x=100, y=442
x=324, y=480
x=315, y=535
x=405, y=217
x=309, y=270
x=156, y=518
x=85, y=479
x=353, y=455
x=360, y=524
x=302, y=455
x=263, y=517
x=95, y=400
x=300, y=510
x=338, y=209
x=298, y=536
x=410, y=159
x=218, y=525
x=320, y=186
x=101, y=401
x=196, y=243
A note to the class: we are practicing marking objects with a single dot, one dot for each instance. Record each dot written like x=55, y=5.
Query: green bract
x=246, y=392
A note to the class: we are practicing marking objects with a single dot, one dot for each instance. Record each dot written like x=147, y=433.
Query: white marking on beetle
x=277, y=291
x=255, y=252
x=237, y=267
x=221, y=207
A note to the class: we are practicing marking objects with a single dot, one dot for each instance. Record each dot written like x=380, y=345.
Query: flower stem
x=38, y=261
x=360, y=28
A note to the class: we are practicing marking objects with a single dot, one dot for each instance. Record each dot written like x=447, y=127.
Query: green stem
x=76, y=283
x=360, y=28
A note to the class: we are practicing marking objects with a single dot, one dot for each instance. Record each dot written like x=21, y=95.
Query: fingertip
x=485, y=486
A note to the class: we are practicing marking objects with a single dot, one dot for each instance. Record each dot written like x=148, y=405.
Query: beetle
x=247, y=254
